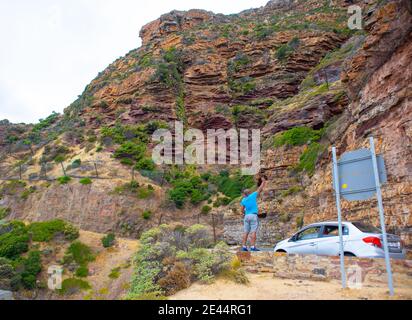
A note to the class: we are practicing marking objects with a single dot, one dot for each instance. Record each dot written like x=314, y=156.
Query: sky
x=51, y=49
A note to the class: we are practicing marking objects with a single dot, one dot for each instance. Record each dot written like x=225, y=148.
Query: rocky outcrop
x=378, y=81
x=290, y=63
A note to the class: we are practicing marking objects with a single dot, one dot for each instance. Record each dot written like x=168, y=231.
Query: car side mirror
x=293, y=239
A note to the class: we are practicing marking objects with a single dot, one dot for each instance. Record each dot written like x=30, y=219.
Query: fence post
x=95, y=168
x=214, y=227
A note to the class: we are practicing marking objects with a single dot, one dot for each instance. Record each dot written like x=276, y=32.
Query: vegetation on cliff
x=172, y=257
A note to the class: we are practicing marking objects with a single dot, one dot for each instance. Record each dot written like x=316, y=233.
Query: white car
x=359, y=239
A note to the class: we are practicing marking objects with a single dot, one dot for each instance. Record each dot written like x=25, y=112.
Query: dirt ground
x=266, y=287
x=102, y=286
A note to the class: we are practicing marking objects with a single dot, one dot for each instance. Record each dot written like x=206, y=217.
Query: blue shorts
x=251, y=223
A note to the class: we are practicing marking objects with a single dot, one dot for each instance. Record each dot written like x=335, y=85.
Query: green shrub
x=232, y=185
x=291, y=190
x=14, y=240
x=310, y=157
x=70, y=232
x=9, y=278
x=243, y=85
x=45, y=123
x=131, y=150
x=85, y=181
x=12, y=187
x=4, y=212
x=147, y=214
x=46, y=231
x=109, y=240
x=146, y=164
x=286, y=50
x=82, y=272
x=27, y=192
x=171, y=257
x=79, y=253
x=31, y=268
x=72, y=286
x=76, y=163
x=298, y=136
x=114, y=273
x=127, y=162
x=206, y=210
x=144, y=192
x=64, y=180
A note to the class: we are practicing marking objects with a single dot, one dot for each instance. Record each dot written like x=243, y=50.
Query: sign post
x=381, y=215
x=357, y=176
x=337, y=195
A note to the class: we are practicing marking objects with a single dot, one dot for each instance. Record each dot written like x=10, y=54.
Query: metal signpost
x=357, y=176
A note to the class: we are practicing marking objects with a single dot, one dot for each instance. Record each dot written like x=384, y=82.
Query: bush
x=72, y=286
x=115, y=273
x=298, y=136
x=170, y=257
x=144, y=192
x=14, y=241
x=46, y=231
x=109, y=240
x=31, y=268
x=79, y=253
x=132, y=150
x=198, y=236
x=146, y=164
x=70, y=232
x=85, y=181
x=82, y=272
x=176, y=279
x=188, y=187
x=287, y=49
x=27, y=192
x=76, y=163
x=4, y=212
x=232, y=186
x=64, y=180
x=310, y=157
x=12, y=187
x=9, y=278
x=147, y=214
x=206, y=210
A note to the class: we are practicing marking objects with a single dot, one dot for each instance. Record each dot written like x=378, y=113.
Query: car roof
x=326, y=222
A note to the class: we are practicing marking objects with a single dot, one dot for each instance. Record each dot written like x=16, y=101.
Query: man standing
x=250, y=211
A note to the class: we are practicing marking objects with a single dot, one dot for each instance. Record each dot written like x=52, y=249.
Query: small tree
x=108, y=241
x=60, y=159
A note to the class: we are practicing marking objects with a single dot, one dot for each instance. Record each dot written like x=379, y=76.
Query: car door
x=305, y=241
x=328, y=243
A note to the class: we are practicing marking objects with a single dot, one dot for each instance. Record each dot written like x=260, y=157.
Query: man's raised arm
x=262, y=186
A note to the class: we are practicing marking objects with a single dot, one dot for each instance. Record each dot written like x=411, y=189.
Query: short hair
x=246, y=191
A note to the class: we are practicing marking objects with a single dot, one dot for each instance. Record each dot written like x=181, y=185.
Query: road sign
x=356, y=176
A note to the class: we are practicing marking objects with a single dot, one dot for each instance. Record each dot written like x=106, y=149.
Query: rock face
x=378, y=80
x=288, y=64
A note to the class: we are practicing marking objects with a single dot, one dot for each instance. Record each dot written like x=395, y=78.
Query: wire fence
x=50, y=171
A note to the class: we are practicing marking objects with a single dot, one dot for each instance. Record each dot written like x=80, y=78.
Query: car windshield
x=367, y=228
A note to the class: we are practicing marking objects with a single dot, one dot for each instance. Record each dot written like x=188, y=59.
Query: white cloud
x=51, y=49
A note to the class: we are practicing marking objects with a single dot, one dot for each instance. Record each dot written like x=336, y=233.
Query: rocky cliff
x=290, y=64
